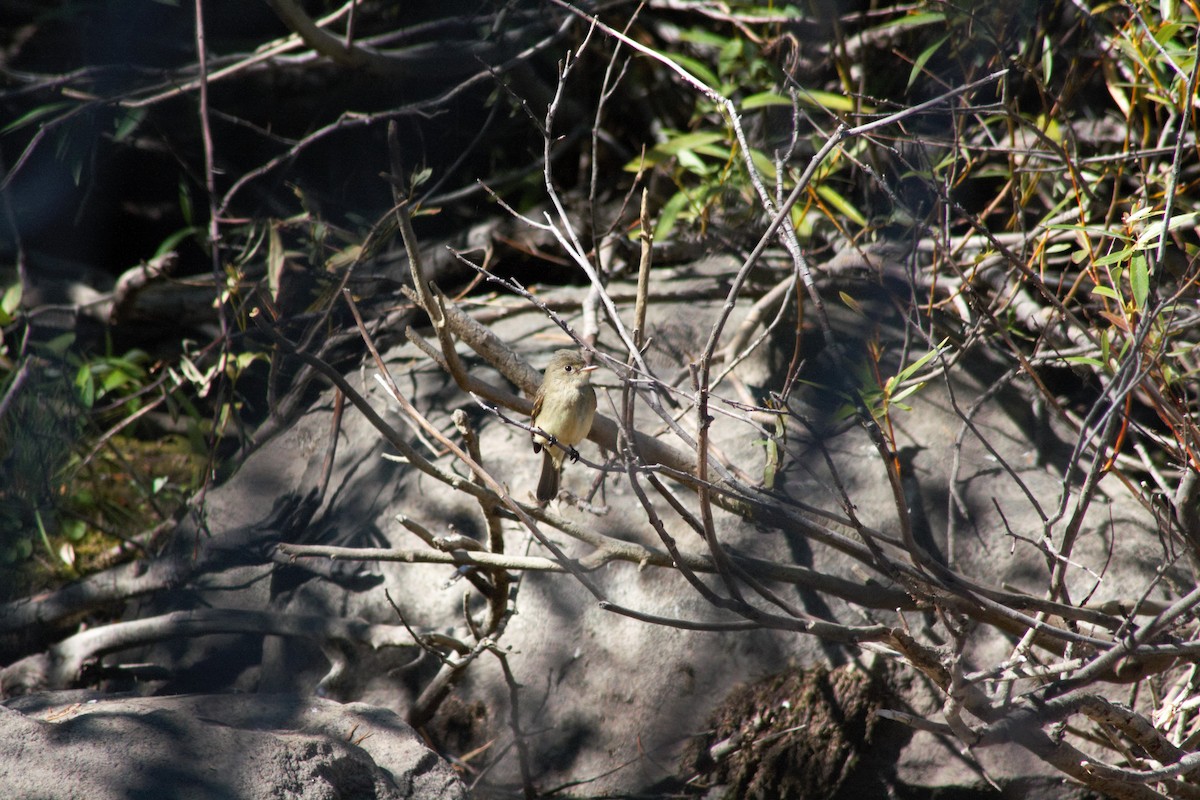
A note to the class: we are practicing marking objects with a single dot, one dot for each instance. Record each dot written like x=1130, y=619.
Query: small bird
x=563, y=409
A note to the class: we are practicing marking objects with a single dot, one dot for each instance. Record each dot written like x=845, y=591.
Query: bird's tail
x=547, y=488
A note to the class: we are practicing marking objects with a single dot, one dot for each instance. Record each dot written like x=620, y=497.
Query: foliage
x=1089, y=209
x=72, y=486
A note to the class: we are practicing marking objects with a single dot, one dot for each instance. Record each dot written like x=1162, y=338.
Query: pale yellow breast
x=557, y=409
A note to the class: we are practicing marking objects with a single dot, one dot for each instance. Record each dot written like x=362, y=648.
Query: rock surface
x=252, y=747
x=608, y=703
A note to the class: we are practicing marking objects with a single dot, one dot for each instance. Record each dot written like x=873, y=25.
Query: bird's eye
x=569, y=368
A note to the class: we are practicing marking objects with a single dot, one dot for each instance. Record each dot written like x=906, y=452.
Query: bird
x=562, y=412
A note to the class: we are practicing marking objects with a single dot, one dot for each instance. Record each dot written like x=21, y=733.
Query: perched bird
x=563, y=409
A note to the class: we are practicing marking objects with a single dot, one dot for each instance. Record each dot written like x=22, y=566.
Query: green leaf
x=1115, y=257
x=683, y=143
x=127, y=123
x=1139, y=280
x=12, y=299
x=764, y=100
x=643, y=161
x=420, y=177
x=831, y=102
x=1049, y=126
x=116, y=378
x=1095, y=230
x=86, y=385
x=1106, y=291
x=916, y=366
x=171, y=242
x=910, y=21
x=1154, y=230
x=841, y=204
x=697, y=68
x=804, y=222
x=926, y=54
x=852, y=304
x=905, y=392
x=1085, y=360
x=33, y=116
x=688, y=141
x=41, y=526
x=692, y=162
x=9, y=303
x=74, y=529
x=18, y=550
x=244, y=360
x=731, y=55
x=702, y=37
x=59, y=345
x=668, y=216
x=764, y=165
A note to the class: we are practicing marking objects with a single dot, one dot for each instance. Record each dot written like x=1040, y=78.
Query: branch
x=61, y=666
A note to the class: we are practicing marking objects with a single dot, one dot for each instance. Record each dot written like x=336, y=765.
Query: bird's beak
x=590, y=367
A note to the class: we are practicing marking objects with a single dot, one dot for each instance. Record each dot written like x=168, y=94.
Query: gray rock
x=201, y=747
x=608, y=703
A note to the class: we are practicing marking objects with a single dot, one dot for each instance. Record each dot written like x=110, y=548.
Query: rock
x=251, y=747
x=608, y=703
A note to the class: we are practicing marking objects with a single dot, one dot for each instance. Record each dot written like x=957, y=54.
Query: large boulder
x=606, y=702
x=251, y=747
